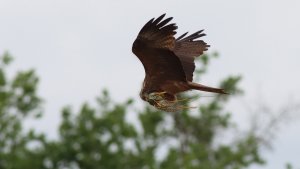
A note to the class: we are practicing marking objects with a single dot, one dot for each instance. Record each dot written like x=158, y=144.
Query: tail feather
x=206, y=88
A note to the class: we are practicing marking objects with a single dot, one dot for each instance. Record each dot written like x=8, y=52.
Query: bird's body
x=168, y=62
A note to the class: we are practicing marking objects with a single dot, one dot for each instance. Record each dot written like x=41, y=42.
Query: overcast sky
x=80, y=47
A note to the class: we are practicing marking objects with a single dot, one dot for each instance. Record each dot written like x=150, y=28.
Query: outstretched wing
x=187, y=49
x=154, y=47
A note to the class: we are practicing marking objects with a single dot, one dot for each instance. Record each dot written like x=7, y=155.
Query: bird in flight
x=168, y=63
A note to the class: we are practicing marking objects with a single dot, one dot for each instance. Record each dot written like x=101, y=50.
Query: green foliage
x=289, y=166
x=103, y=137
x=18, y=100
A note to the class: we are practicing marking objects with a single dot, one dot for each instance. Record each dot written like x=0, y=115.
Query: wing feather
x=154, y=47
x=187, y=49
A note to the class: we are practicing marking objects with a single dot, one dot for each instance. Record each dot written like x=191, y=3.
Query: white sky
x=80, y=47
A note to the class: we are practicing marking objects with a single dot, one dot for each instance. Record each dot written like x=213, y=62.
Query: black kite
x=168, y=62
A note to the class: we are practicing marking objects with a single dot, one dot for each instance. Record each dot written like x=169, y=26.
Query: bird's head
x=151, y=98
x=144, y=95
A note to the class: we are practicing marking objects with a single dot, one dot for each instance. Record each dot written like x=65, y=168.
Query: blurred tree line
x=103, y=137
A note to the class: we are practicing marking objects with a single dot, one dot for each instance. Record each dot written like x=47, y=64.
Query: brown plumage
x=168, y=62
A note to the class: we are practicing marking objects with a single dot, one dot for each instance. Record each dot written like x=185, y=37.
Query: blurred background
x=77, y=48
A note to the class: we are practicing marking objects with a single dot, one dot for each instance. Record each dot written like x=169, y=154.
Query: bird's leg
x=156, y=95
x=167, y=105
x=160, y=93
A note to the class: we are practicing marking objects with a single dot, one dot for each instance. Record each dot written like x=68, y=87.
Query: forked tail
x=206, y=88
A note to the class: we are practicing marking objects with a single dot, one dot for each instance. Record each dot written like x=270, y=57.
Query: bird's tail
x=206, y=88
